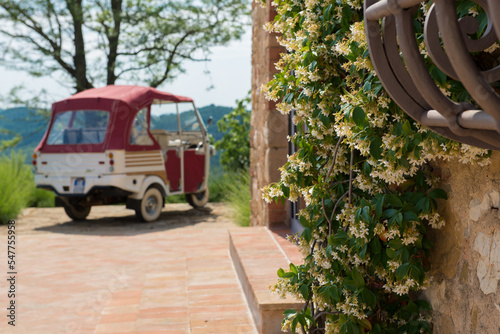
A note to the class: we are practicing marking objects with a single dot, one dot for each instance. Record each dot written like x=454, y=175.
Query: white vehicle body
x=100, y=149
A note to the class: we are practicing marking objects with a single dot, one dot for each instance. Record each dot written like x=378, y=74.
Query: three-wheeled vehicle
x=101, y=148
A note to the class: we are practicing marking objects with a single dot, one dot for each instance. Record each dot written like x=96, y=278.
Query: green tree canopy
x=96, y=42
x=235, y=144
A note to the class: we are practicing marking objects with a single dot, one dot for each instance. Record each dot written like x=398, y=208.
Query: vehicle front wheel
x=77, y=212
x=198, y=200
x=151, y=205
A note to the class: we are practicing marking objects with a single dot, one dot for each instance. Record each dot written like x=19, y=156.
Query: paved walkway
x=113, y=274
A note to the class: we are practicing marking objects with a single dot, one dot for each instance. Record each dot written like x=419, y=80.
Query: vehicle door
x=166, y=131
x=195, y=144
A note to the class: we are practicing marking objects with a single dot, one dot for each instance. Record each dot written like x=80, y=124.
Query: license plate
x=79, y=186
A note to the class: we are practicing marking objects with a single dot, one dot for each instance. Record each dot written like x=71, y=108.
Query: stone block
x=278, y=216
x=273, y=55
x=275, y=158
x=251, y=250
x=488, y=267
x=490, y=200
x=276, y=130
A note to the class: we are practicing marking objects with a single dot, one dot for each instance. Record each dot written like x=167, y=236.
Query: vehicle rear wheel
x=198, y=200
x=77, y=212
x=151, y=205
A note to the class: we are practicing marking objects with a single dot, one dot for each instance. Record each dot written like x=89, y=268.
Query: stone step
x=257, y=254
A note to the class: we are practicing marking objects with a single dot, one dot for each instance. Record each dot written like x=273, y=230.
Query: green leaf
x=411, y=216
x=407, y=127
x=289, y=312
x=411, y=308
x=399, y=218
x=303, y=221
x=281, y=272
x=438, y=193
x=389, y=213
x=306, y=234
x=379, y=206
x=394, y=201
x=295, y=321
x=391, y=253
x=423, y=204
x=293, y=269
x=362, y=253
x=286, y=190
x=304, y=290
x=437, y=75
x=365, y=323
x=358, y=116
x=375, y=246
x=423, y=305
x=369, y=298
x=367, y=168
x=338, y=239
x=376, y=148
x=326, y=13
x=367, y=86
x=334, y=293
x=358, y=279
x=402, y=271
x=312, y=66
x=365, y=214
x=415, y=273
x=352, y=328
x=395, y=244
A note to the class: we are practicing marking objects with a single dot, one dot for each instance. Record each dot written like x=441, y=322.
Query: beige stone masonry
x=465, y=262
x=269, y=128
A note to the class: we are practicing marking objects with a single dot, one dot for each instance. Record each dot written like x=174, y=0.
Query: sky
x=230, y=73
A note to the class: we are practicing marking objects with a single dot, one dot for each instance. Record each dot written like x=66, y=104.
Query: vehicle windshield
x=165, y=116
x=79, y=127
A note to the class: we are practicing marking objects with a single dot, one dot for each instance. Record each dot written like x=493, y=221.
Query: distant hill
x=25, y=122
x=32, y=126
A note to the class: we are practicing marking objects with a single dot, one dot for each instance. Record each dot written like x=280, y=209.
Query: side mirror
x=210, y=121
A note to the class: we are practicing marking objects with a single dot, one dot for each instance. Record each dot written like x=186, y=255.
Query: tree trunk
x=79, y=59
x=113, y=38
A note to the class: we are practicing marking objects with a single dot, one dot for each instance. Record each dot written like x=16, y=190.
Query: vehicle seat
x=72, y=136
x=161, y=136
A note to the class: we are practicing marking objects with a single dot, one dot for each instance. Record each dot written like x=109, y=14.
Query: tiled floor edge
x=247, y=290
x=267, y=313
x=243, y=292
x=278, y=245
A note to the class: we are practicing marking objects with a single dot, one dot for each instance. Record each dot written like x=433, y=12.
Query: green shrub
x=216, y=185
x=234, y=147
x=236, y=193
x=16, y=186
x=42, y=198
x=173, y=199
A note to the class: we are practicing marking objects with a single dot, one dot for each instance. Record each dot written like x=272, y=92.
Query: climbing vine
x=362, y=170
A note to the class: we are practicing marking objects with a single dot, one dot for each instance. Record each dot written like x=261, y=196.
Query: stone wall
x=269, y=128
x=466, y=260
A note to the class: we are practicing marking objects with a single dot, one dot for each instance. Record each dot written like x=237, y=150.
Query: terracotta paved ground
x=113, y=274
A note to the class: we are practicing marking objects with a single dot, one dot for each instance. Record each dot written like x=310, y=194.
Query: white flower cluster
x=434, y=219
x=351, y=306
x=330, y=75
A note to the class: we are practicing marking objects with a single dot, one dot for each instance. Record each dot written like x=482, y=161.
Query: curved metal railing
x=396, y=57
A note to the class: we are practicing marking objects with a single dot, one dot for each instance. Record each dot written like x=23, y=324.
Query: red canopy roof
x=123, y=103
x=132, y=95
